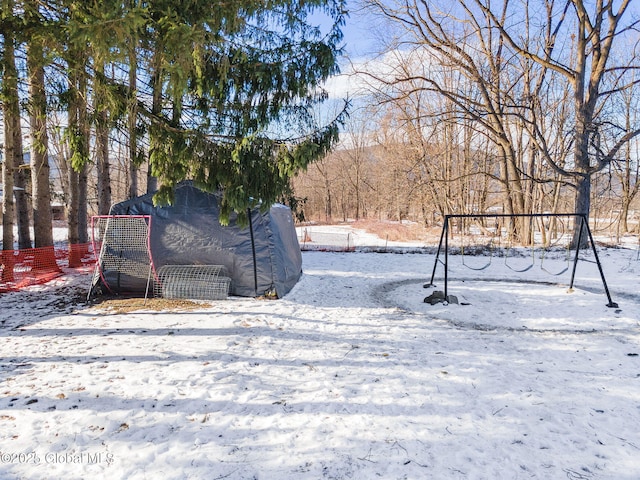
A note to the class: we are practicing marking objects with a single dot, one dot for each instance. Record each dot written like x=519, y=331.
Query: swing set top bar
x=512, y=215
x=584, y=226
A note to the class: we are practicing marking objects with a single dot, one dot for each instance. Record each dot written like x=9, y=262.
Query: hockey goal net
x=124, y=264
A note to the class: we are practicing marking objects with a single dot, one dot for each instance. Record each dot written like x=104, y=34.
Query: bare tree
x=431, y=46
x=317, y=185
x=591, y=72
x=627, y=171
x=355, y=158
x=521, y=58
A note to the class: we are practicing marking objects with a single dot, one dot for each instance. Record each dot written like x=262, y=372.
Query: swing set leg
x=439, y=297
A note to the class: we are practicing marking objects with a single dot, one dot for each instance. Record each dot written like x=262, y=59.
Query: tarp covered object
x=261, y=259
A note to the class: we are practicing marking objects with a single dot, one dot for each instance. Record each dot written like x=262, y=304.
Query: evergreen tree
x=14, y=175
x=238, y=82
x=37, y=24
x=224, y=91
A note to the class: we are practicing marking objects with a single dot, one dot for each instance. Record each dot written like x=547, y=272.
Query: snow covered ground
x=350, y=376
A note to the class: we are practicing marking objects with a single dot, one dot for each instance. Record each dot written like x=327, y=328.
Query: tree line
x=470, y=106
x=509, y=106
x=222, y=93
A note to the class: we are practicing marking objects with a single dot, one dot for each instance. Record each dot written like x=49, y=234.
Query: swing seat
x=554, y=273
x=476, y=268
x=544, y=269
x=490, y=246
x=517, y=270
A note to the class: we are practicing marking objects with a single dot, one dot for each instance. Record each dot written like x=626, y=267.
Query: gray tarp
x=189, y=233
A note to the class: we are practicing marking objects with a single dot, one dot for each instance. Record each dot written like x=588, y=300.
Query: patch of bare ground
x=400, y=231
x=128, y=305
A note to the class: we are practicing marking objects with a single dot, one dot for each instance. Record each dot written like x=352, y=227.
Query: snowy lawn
x=350, y=376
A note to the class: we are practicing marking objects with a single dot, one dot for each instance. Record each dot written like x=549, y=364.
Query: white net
x=194, y=282
x=124, y=254
x=331, y=241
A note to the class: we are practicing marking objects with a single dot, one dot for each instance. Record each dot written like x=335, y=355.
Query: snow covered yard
x=350, y=376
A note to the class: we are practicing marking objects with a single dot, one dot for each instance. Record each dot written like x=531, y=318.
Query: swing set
x=494, y=247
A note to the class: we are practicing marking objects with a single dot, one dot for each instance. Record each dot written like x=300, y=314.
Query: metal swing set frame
x=443, y=247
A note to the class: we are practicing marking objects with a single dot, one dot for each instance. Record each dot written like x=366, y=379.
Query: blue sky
x=359, y=33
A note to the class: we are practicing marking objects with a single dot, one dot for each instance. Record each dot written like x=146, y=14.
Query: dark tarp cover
x=261, y=259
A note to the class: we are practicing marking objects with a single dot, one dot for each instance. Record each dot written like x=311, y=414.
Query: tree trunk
x=72, y=211
x=102, y=164
x=132, y=124
x=22, y=204
x=84, y=131
x=41, y=193
x=77, y=215
x=11, y=113
x=83, y=202
x=328, y=213
x=45, y=259
x=582, y=169
x=156, y=111
x=582, y=206
x=17, y=205
x=8, y=206
x=102, y=148
x=79, y=158
x=75, y=153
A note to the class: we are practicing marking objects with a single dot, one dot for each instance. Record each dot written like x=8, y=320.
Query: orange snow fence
x=35, y=266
